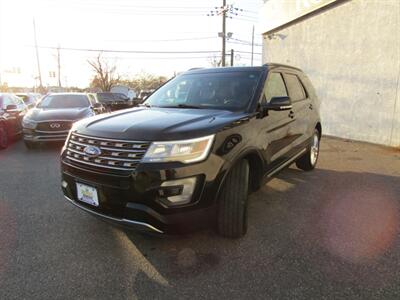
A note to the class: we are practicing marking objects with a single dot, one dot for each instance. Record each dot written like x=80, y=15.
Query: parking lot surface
x=328, y=234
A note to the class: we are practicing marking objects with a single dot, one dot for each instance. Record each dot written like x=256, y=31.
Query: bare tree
x=105, y=74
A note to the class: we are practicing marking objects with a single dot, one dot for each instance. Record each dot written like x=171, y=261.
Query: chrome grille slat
x=118, y=155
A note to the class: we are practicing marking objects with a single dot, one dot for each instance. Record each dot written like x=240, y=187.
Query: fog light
x=177, y=192
x=64, y=184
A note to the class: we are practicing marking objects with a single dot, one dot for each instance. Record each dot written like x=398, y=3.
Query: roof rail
x=280, y=65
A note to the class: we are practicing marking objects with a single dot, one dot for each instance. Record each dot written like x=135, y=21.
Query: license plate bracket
x=87, y=194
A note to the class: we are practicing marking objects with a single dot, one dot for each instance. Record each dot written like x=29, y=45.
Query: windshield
x=64, y=101
x=228, y=91
x=25, y=98
x=111, y=97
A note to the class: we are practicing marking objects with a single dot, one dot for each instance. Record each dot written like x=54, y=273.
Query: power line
x=128, y=51
x=169, y=40
x=244, y=42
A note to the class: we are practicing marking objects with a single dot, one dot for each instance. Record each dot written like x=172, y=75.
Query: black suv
x=195, y=149
x=12, y=110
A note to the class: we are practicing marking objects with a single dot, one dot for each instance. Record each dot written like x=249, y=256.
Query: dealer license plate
x=87, y=194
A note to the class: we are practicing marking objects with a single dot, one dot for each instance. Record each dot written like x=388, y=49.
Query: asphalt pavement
x=328, y=234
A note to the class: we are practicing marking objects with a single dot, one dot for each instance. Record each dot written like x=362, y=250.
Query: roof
x=224, y=70
x=237, y=69
x=82, y=94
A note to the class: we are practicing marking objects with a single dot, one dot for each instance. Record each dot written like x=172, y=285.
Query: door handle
x=291, y=114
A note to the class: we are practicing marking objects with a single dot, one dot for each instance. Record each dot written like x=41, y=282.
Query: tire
x=232, y=203
x=3, y=138
x=29, y=145
x=309, y=160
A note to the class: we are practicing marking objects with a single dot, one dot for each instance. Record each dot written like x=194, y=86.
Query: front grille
x=120, y=155
x=54, y=126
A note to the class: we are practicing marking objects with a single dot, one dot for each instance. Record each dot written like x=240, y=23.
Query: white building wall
x=351, y=52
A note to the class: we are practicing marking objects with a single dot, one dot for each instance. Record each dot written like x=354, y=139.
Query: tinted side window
x=296, y=91
x=275, y=87
x=7, y=100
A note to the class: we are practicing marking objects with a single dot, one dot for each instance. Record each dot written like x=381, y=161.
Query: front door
x=275, y=127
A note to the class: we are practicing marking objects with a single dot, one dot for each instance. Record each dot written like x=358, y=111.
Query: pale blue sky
x=139, y=25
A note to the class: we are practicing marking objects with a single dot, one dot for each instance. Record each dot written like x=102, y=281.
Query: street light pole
x=37, y=55
x=223, y=32
x=59, y=66
x=252, y=47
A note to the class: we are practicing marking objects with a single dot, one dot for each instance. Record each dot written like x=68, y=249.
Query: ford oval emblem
x=92, y=151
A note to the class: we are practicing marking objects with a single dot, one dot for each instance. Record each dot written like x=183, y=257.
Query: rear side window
x=275, y=87
x=296, y=91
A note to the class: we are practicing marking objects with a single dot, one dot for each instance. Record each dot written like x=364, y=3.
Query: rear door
x=276, y=125
x=301, y=103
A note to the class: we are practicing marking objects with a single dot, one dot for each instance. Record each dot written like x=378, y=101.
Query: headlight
x=186, y=151
x=28, y=123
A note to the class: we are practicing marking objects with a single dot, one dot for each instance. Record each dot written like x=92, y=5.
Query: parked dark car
x=114, y=101
x=53, y=116
x=196, y=148
x=30, y=99
x=12, y=110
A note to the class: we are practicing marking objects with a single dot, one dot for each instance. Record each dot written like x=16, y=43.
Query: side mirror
x=11, y=108
x=279, y=104
x=276, y=104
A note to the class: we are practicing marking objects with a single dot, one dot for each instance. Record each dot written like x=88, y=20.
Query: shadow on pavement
x=318, y=234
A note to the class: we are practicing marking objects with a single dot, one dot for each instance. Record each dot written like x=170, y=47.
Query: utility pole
x=37, y=55
x=232, y=56
x=223, y=32
x=252, y=47
x=59, y=66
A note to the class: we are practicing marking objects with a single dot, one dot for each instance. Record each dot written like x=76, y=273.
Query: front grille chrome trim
x=111, y=140
x=98, y=165
x=117, y=155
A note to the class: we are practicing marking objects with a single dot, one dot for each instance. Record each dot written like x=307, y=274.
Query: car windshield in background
x=225, y=90
x=103, y=97
x=64, y=101
x=25, y=98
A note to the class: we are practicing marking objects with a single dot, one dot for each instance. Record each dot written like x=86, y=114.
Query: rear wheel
x=232, y=204
x=3, y=137
x=309, y=160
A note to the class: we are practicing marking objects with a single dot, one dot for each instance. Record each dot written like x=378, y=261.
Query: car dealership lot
x=330, y=233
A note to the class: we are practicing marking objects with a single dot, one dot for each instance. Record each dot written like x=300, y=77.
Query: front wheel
x=3, y=138
x=232, y=203
x=309, y=160
x=29, y=144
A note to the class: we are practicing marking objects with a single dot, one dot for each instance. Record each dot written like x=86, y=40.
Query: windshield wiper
x=184, y=106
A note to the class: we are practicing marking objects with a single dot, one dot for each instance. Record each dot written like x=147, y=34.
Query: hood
x=161, y=124
x=46, y=114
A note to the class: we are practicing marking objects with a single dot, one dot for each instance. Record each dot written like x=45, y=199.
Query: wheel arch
x=256, y=169
x=318, y=126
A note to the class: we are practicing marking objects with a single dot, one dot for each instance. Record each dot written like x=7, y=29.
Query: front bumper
x=123, y=222
x=134, y=201
x=45, y=136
